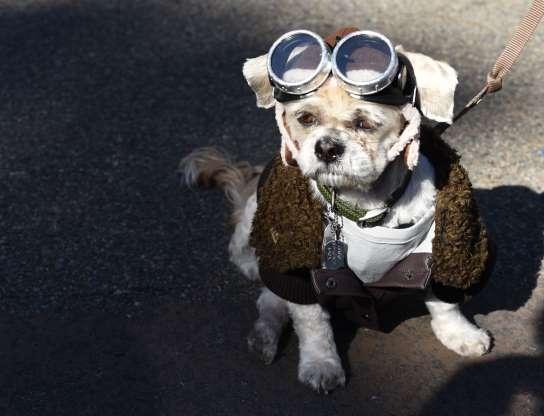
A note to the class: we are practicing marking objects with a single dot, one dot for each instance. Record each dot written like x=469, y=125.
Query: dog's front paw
x=467, y=340
x=263, y=341
x=322, y=375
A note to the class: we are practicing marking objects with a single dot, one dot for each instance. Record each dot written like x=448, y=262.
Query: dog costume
x=287, y=234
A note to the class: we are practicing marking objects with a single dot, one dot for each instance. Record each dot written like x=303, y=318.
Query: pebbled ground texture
x=116, y=296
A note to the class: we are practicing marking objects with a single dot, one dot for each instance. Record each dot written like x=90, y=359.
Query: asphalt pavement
x=116, y=295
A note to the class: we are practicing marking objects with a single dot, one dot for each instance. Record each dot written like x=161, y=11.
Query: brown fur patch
x=460, y=246
x=287, y=228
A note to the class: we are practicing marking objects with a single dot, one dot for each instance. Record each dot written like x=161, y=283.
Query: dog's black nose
x=328, y=150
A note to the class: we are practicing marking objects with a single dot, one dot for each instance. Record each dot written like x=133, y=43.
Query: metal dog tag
x=335, y=254
x=335, y=251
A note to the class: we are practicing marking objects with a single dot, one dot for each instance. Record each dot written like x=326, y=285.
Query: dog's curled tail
x=208, y=167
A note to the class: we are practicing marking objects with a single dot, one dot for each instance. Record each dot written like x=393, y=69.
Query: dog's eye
x=363, y=124
x=307, y=119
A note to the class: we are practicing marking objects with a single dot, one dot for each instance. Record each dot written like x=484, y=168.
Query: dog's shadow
x=514, y=216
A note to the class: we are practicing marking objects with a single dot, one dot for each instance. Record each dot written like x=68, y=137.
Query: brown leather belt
x=364, y=304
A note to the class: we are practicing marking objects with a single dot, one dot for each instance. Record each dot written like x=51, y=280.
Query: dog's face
x=343, y=141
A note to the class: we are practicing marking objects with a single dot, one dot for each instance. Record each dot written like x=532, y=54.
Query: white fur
x=366, y=154
x=455, y=331
x=256, y=75
x=436, y=83
x=418, y=198
x=241, y=253
x=273, y=315
x=319, y=366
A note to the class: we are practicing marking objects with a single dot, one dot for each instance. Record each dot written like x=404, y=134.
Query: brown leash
x=505, y=61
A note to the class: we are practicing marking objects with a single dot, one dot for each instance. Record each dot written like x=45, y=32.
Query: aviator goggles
x=364, y=63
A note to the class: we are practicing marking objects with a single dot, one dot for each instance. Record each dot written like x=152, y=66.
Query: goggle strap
x=410, y=88
x=284, y=97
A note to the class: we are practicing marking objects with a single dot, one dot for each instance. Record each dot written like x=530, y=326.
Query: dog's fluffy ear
x=256, y=75
x=436, y=82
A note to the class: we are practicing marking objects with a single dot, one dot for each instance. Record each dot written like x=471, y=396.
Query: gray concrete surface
x=116, y=296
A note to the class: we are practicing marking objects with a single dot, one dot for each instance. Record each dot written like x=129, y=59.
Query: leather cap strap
x=334, y=37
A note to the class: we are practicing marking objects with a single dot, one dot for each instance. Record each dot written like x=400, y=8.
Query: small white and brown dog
x=366, y=134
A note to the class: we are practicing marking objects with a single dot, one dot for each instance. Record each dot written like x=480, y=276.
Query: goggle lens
x=296, y=59
x=363, y=59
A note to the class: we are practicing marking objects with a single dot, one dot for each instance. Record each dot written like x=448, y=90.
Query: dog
x=365, y=134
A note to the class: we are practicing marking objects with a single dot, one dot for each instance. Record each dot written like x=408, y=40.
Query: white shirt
x=374, y=251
